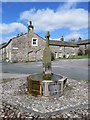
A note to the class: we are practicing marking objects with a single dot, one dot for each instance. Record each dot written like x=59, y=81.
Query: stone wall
x=9, y=51
x=88, y=48
x=19, y=49
x=82, y=47
x=21, y=53
x=0, y=55
x=61, y=51
x=4, y=54
x=55, y=50
x=36, y=52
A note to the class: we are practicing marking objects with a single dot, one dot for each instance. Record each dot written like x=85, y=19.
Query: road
x=73, y=69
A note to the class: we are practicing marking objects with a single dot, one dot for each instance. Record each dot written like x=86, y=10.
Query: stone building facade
x=30, y=46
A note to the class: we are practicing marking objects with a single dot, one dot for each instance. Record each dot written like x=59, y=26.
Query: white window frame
x=36, y=42
x=60, y=48
x=15, y=48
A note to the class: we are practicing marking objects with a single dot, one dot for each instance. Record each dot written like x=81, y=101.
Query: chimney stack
x=18, y=35
x=73, y=40
x=62, y=39
x=79, y=39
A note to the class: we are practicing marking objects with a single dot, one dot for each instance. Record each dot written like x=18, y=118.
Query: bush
x=87, y=52
x=80, y=52
x=64, y=56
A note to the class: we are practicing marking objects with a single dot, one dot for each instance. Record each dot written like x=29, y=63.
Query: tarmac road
x=74, y=69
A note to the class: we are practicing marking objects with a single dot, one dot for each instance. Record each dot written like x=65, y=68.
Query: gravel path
x=14, y=94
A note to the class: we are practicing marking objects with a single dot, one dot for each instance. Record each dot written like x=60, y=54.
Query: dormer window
x=34, y=42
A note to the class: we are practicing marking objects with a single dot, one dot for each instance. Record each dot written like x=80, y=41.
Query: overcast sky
x=69, y=19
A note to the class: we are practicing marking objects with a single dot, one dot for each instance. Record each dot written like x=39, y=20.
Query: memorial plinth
x=47, y=83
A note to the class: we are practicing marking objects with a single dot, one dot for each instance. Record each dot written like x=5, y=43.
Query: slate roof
x=62, y=43
x=83, y=42
x=68, y=44
x=54, y=42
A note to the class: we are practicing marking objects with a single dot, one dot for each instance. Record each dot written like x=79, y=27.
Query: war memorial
x=47, y=83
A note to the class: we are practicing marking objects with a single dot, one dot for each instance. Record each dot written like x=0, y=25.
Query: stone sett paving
x=73, y=103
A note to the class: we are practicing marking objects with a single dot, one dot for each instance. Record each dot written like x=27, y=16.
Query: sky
x=67, y=19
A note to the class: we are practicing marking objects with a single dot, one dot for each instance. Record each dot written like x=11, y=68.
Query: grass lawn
x=80, y=57
x=88, y=80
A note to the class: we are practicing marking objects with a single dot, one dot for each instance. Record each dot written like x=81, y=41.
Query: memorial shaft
x=47, y=60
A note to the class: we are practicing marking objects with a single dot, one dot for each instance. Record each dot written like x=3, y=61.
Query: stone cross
x=47, y=59
x=30, y=27
x=47, y=39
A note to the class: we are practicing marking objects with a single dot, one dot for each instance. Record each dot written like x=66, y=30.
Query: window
x=15, y=48
x=56, y=55
x=34, y=42
x=60, y=54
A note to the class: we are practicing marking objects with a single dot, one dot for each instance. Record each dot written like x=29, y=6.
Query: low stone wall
x=51, y=88
x=46, y=87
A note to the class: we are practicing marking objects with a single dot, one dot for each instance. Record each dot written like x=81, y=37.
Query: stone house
x=30, y=46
